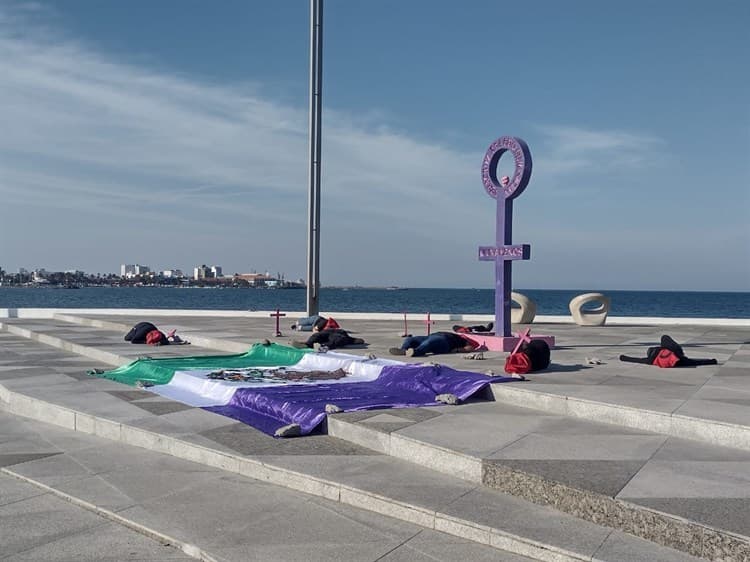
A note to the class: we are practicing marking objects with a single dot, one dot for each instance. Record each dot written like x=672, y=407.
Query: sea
x=669, y=304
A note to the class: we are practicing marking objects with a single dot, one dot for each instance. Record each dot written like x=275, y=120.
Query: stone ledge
x=674, y=425
x=664, y=529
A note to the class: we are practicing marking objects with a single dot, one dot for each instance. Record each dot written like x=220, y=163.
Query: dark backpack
x=137, y=333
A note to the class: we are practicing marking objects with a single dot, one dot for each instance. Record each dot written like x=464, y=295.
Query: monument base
x=505, y=343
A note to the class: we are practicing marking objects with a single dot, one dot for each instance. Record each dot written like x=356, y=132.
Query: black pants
x=332, y=339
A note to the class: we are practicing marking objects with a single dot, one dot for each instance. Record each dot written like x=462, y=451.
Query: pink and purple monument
x=504, y=252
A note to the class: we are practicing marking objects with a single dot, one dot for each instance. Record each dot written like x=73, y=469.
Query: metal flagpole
x=316, y=105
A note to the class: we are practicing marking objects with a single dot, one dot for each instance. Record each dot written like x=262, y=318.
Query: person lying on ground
x=146, y=332
x=436, y=343
x=478, y=329
x=329, y=339
x=668, y=354
x=310, y=323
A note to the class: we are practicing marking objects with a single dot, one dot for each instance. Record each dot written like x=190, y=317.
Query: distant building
x=256, y=279
x=172, y=273
x=133, y=270
x=205, y=272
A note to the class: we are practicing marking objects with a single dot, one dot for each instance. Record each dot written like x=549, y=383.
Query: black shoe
x=396, y=351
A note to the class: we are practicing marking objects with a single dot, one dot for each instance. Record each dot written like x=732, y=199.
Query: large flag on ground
x=272, y=387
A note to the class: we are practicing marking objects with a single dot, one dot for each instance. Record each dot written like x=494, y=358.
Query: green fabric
x=161, y=371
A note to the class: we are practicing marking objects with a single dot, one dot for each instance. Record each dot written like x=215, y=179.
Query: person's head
x=504, y=181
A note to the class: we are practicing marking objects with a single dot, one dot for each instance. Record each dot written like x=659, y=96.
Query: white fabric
x=195, y=389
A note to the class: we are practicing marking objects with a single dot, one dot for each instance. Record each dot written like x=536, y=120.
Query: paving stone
x=18, y=458
x=732, y=514
x=249, y=441
x=162, y=407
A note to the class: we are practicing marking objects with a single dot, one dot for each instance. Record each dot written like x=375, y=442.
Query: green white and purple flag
x=272, y=386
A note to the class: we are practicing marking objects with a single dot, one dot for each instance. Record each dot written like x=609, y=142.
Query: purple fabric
x=398, y=386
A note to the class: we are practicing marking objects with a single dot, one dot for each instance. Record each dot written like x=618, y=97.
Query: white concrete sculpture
x=596, y=316
x=525, y=314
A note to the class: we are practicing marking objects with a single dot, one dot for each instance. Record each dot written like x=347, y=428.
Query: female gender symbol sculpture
x=504, y=251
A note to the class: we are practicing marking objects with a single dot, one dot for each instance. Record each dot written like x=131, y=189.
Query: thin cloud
x=567, y=150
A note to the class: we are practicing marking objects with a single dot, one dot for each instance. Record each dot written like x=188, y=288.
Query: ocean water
x=414, y=301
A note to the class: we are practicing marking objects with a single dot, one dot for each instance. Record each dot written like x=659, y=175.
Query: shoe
x=290, y=430
x=299, y=344
x=320, y=348
x=333, y=409
x=409, y=352
x=396, y=351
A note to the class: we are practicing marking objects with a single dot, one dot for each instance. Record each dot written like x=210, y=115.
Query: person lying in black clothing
x=668, y=354
x=473, y=329
x=330, y=339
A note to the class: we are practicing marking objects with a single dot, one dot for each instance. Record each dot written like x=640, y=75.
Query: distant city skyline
x=169, y=132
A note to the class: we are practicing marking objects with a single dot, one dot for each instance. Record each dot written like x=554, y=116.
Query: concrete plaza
x=593, y=459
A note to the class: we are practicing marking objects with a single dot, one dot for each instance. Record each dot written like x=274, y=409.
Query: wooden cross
x=428, y=322
x=277, y=315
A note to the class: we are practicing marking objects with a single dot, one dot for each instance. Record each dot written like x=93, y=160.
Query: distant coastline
x=414, y=301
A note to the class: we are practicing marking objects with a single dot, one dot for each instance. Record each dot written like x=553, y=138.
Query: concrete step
x=205, y=513
x=321, y=466
x=712, y=431
x=103, y=344
x=680, y=493
x=219, y=344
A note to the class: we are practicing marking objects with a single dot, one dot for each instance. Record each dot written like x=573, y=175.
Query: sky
x=173, y=133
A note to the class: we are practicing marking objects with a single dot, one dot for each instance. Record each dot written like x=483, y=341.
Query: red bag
x=517, y=363
x=666, y=359
x=331, y=325
x=155, y=337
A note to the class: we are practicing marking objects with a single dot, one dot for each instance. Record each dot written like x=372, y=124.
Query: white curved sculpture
x=525, y=314
x=596, y=316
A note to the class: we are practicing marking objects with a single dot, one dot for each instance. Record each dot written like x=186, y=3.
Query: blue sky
x=174, y=133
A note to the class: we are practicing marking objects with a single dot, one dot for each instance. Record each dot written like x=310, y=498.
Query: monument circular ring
x=521, y=160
